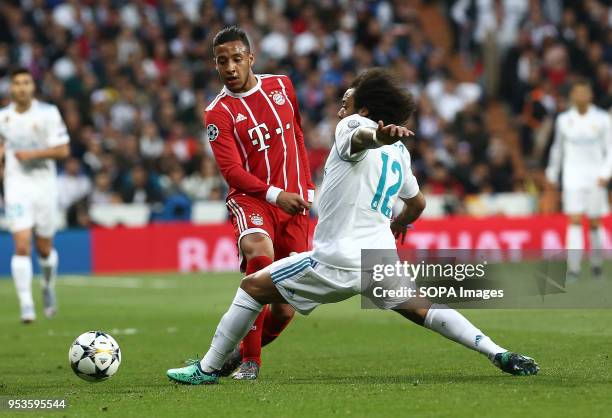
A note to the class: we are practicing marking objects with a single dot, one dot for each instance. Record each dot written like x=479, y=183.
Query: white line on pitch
x=116, y=282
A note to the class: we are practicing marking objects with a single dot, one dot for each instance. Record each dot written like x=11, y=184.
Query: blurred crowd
x=132, y=78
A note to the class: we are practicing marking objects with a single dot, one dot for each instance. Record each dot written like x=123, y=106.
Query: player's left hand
x=24, y=156
x=603, y=182
x=389, y=134
x=399, y=230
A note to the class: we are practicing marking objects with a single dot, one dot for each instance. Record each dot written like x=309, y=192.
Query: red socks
x=273, y=325
x=268, y=325
x=250, y=348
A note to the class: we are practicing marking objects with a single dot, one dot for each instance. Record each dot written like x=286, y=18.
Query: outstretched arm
x=370, y=138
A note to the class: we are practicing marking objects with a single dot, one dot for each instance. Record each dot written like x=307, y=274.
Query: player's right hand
x=390, y=134
x=291, y=203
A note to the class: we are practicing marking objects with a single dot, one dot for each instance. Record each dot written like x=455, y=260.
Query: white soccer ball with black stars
x=94, y=356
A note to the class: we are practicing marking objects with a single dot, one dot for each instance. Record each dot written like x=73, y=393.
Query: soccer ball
x=94, y=356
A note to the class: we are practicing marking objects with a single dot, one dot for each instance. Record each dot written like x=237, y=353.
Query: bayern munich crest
x=256, y=219
x=278, y=97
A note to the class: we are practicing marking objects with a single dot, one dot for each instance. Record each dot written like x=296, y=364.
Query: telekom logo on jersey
x=259, y=134
x=263, y=135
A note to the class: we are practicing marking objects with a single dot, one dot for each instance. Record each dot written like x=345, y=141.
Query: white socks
x=596, y=238
x=454, y=326
x=575, y=246
x=232, y=328
x=48, y=266
x=21, y=269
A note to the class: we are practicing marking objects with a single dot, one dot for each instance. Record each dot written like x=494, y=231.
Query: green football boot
x=192, y=374
x=516, y=364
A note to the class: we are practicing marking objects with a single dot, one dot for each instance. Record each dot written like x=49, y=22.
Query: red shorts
x=289, y=233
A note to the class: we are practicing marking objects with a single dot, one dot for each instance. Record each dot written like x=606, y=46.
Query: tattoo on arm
x=363, y=139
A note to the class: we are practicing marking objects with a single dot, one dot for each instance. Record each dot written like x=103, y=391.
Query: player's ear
x=251, y=59
x=364, y=112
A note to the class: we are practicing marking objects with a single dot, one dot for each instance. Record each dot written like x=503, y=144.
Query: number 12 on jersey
x=391, y=191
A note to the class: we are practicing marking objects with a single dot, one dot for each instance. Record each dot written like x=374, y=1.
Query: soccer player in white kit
x=32, y=136
x=366, y=171
x=582, y=148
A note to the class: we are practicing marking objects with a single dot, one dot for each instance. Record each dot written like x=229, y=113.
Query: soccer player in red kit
x=254, y=130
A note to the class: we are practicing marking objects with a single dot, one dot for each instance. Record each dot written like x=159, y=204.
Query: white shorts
x=32, y=206
x=593, y=202
x=306, y=283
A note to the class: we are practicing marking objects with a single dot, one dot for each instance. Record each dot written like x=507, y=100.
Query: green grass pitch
x=339, y=361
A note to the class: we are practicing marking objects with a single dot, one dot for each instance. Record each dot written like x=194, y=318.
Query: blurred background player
x=582, y=149
x=254, y=130
x=33, y=136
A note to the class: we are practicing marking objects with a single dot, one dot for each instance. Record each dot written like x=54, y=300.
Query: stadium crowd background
x=132, y=78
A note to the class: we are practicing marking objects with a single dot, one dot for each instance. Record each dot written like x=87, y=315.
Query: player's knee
x=256, y=245
x=43, y=250
x=22, y=249
x=594, y=223
x=43, y=254
x=248, y=284
x=22, y=246
x=254, y=252
x=575, y=219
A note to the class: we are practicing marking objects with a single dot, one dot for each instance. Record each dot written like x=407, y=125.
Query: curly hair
x=376, y=90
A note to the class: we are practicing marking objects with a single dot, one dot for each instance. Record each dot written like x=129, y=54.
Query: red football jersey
x=257, y=140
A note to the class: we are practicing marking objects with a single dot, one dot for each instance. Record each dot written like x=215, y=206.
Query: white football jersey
x=357, y=196
x=40, y=127
x=582, y=148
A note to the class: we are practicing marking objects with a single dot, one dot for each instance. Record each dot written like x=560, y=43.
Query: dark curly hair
x=376, y=90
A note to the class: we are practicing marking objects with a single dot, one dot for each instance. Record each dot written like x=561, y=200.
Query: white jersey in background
x=40, y=127
x=582, y=148
x=30, y=187
x=357, y=196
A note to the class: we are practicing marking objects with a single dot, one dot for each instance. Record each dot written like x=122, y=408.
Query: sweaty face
x=348, y=104
x=233, y=62
x=22, y=88
x=581, y=95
